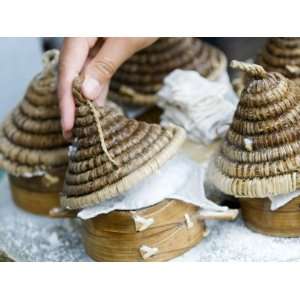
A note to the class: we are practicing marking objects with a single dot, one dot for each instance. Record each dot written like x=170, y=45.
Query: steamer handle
x=60, y=213
x=228, y=215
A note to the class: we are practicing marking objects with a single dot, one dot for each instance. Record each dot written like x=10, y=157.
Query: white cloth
x=204, y=108
x=180, y=178
x=281, y=200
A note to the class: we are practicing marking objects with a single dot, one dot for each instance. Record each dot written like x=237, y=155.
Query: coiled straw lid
x=112, y=153
x=260, y=155
x=282, y=55
x=30, y=138
x=140, y=78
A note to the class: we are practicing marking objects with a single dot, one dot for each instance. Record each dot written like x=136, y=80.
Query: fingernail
x=91, y=88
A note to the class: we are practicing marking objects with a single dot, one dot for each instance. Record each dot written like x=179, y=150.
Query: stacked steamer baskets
x=282, y=55
x=138, y=80
x=111, y=154
x=259, y=157
x=32, y=148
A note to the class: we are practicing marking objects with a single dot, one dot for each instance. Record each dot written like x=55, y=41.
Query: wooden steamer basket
x=114, y=154
x=158, y=233
x=32, y=149
x=38, y=194
x=283, y=222
x=259, y=156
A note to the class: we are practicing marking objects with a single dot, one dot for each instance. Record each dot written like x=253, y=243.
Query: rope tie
x=100, y=131
x=50, y=179
x=293, y=70
x=251, y=69
x=147, y=252
x=188, y=221
x=142, y=223
x=81, y=101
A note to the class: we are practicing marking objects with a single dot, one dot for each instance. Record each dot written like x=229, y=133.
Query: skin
x=96, y=59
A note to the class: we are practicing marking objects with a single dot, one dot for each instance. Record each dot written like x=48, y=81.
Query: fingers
x=104, y=64
x=97, y=59
x=72, y=59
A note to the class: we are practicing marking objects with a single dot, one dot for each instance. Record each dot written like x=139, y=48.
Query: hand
x=97, y=59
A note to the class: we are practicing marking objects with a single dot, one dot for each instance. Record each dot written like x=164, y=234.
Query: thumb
x=97, y=75
x=102, y=67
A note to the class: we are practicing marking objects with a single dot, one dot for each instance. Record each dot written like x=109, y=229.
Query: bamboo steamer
x=283, y=222
x=39, y=194
x=112, y=155
x=118, y=236
x=160, y=232
x=259, y=156
x=32, y=149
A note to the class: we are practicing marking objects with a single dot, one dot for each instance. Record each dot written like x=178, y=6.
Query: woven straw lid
x=260, y=154
x=140, y=78
x=113, y=153
x=30, y=138
x=282, y=55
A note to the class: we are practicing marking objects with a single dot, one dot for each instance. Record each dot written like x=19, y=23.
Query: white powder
x=27, y=237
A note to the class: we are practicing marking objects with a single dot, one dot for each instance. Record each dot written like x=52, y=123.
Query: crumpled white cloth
x=281, y=200
x=204, y=108
x=180, y=178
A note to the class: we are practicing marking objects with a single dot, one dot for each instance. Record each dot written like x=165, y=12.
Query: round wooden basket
x=283, y=222
x=39, y=194
x=161, y=234
x=157, y=233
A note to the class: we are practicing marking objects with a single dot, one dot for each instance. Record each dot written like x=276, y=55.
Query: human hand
x=97, y=59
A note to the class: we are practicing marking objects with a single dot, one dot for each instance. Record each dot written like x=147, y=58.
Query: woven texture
x=30, y=138
x=139, y=79
x=112, y=153
x=260, y=154
x=282, y=55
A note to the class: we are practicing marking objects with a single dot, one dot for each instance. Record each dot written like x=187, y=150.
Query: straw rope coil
x=260, y=155
x=30, y=138
x=282, y=55
x=139, y=79
x=113, y=153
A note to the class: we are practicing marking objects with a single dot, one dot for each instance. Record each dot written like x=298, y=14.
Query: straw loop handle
x=251, y=69
x=50, y=61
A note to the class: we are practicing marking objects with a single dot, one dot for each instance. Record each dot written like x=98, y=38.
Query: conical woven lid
x=112, y=153
x=260, y=154
x=139, y=79
x=282, y=55
x=31, y=138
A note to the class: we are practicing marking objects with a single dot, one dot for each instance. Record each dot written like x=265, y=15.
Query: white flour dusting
x=26, y=237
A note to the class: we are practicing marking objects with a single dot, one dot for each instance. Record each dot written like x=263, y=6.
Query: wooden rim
x=171, y=243
x=36, y=201
x=283, y=222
